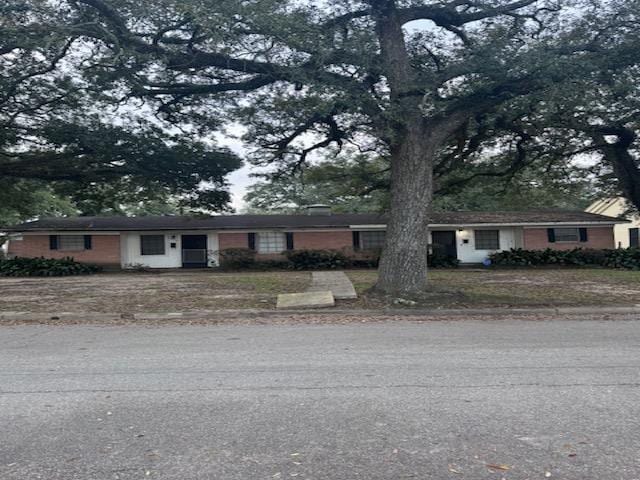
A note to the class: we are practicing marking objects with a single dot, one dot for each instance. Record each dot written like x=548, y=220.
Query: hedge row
x=621, y=258
x=245, y=259
x=44, y=267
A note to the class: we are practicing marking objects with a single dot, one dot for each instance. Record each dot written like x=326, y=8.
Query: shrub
x=366, y=258
x=440, y=260
x=237, y=258
x=317, y=259
x=44, y=267
x=621, y=258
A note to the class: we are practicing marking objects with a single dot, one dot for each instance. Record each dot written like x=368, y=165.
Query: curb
x=81, y=317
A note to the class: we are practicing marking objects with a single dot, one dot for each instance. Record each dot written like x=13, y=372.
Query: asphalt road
x=536, y=400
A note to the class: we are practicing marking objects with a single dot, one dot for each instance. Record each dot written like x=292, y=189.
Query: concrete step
x=336, y=282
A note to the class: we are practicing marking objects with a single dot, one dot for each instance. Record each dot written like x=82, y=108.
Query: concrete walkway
x=335, y=282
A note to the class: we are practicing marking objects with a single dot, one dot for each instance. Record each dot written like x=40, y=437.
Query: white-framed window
x=71, y=243
x=373, y=240
x=152, y=245
x=567, y=234
x=272, y=242
x=487, y=239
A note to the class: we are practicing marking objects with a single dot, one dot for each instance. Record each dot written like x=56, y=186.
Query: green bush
x=366, y=258
x=44, y=267
x=621, y=258
x=440, y=260
x=237, y=258
x=317, y=259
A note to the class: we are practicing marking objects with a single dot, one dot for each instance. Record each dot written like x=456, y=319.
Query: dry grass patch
x=526, y=287
x=149, y=292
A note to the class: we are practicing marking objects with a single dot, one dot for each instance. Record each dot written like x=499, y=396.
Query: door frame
x=204, y=264
x=450, y=249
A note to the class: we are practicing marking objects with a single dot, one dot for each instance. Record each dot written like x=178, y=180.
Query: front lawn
x=149, y=292
x=527, y=287
x=188, y=291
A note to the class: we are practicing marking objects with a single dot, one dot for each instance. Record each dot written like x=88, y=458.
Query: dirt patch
x=132, y=293
x=148, y=292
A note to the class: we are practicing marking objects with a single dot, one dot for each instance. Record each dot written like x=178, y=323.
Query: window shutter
x=356, y=240
x=584, y=235
x=289, y=240
x=634, y=237
x=53, y=242
x=87, y=242
x=252, y=241
x=551, y=234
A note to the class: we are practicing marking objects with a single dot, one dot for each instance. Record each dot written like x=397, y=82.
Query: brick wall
x=337, y=240
x=233, y=240
x=598, y=237
x=105, y=249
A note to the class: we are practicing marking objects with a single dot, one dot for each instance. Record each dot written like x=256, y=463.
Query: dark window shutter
x=584, y=235
x=551, y=234
x=53, y=242
x=289, y=240
x=634, y=237
x=356, y=240
x=252, y=241
x=87, y=242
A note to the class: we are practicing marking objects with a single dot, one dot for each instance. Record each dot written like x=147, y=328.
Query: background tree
x=399, y=78
x=363, y=186
x=59, y=134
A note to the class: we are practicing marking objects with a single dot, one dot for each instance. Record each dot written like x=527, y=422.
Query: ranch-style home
x=191, y=242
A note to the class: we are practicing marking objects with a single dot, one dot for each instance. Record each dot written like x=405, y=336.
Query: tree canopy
x=60, y=132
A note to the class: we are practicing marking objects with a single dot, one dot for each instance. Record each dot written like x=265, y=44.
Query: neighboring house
x=173, y=242
x=626, y=234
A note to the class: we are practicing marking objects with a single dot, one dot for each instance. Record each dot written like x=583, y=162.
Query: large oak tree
x=401, y=78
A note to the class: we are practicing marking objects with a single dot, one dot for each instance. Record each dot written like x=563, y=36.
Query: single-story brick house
x=178, y=241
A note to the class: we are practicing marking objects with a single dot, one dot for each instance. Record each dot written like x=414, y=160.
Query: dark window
x=71, y=243
x=567, y=234
x=487, y=239
x=372, y=240
x=634, y=237
x=152, y=244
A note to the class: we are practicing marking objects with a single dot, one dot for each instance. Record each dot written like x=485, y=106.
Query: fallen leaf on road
x=498, y=466
x=452, y=469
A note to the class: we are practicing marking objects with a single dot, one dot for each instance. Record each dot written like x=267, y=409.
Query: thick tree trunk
x=413, y=142
x=403, y=266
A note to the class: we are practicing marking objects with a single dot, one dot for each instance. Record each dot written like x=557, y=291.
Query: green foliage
x=317, y=259
x=237, y=259
x=620, y=258
x=440, y=260
x=23, y=199
x=44, y=267
x=347, y=184
x=362, y=185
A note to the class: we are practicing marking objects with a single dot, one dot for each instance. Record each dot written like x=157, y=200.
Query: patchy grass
x=206, y=290
x=526, y=287
x=149, y=292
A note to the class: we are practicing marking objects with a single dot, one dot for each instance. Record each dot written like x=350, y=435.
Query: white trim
x=67, y=232
x=489, y=225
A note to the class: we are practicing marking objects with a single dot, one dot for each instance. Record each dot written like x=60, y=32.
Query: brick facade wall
x=598, y=237
x=233, y=240
x=105, y=249
x=338, y=240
